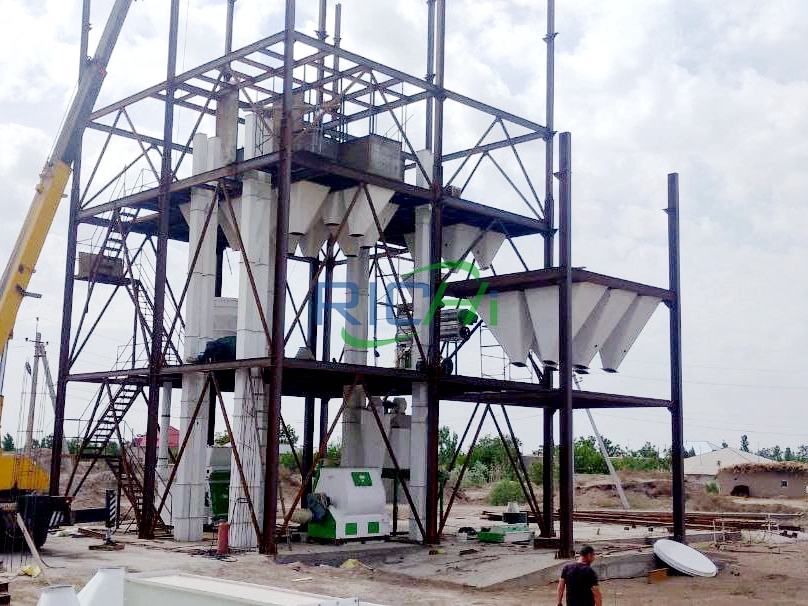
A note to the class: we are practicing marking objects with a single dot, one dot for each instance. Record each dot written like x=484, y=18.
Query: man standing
x=580, y=581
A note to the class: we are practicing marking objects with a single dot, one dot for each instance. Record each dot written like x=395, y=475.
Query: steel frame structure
x=345, y=90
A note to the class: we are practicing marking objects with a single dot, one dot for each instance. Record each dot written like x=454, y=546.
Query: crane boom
x=54, y=178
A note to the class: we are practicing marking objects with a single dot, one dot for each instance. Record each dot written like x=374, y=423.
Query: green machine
x=348, y=503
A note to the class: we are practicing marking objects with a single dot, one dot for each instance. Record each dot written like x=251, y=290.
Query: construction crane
x=13, y=288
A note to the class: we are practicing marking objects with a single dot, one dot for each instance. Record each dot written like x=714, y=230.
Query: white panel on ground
x=542, y=303
x=487, y=248
x=179, y=589
x=600, y=324
x=457, y=240
x=58, y=595
x=614, y=350
x=506, y=315
x=104, y=589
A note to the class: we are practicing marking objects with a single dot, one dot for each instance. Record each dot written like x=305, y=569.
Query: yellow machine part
x=29, y=244
x=19, y=471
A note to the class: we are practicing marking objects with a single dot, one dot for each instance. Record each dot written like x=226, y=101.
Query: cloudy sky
x=716, y=91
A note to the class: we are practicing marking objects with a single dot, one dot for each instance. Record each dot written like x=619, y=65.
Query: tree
x=788, y=455
x=447, y=444
x=588, y=458
x=8, y=443
x=47, y=442
x=724, y=445
x=221, y=439
x=690, y=453
x=802, y=453
x=744, y=443
x=292, y=439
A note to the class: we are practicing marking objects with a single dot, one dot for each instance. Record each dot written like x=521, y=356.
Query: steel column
x=328, y=298
x=308, y=420
x=677, y=420
x=430, y=71
x=146, y=530
x=548, y=447
x=432, y=535
x=566, y=480
x=284, y=185
x=67, y=301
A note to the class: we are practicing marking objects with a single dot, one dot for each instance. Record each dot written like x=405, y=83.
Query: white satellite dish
x=684, y=559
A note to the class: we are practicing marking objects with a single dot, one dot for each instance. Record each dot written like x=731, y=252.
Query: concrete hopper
x=616, y=347
x=305, y=201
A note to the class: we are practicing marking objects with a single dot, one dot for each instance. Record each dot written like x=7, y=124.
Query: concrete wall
x=763, y=483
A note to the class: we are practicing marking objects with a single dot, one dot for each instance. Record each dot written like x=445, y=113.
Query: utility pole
x=29, y=431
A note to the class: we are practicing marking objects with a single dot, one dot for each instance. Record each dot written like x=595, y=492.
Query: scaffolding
x=311, y=99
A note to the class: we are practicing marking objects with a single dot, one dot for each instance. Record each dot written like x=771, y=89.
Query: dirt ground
x=759, y=574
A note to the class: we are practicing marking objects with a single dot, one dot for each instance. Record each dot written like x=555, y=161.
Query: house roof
x=709, y=463
x=790, y=467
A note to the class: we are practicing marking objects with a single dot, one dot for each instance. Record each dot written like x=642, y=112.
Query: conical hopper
x=506, y=315
x=629, y=327
x=599, y=325
x=305, y=201
x=385, y=216
x=457, y=240
x=486, y=249
x=543, y=304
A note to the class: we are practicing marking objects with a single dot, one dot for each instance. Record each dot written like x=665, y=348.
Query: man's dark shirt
x=580, y=580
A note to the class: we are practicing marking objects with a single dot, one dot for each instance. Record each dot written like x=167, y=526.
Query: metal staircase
x=128, y=471
x=98, y=434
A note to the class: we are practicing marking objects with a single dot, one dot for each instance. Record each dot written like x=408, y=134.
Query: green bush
x=505, y=492
x=287, y=459
x=712, y=488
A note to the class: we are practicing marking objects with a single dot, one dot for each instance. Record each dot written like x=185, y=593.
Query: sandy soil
x=759, y=575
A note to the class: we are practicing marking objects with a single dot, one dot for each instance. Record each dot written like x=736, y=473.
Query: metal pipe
x=430, y=70
x=566, y=479
x=268, y=545
x=677, y=420
x=147, y=520
x=67, y=301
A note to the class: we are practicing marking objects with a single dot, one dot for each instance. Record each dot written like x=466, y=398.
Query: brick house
x=787, y=479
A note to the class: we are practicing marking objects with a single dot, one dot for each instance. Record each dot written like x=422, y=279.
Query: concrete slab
x=313, y=554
